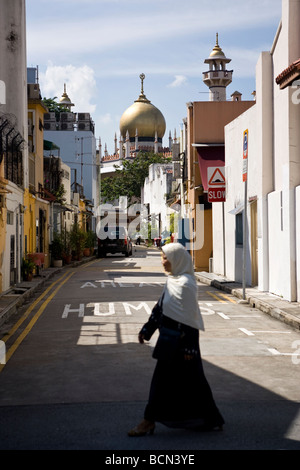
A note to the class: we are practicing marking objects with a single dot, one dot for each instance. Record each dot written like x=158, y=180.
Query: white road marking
x=278, y=353
x=247, y=332
x=223, y=315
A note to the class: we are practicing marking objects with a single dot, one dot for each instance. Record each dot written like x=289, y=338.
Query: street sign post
x=217, y=193
x=216, y=184
x=245, y=155
x=245, y=180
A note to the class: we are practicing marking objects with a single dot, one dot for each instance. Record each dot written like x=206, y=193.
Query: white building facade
x=157, y=187
x=273, y=177
x=14, y=136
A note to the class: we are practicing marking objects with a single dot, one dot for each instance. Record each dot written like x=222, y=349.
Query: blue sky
x=100, y=47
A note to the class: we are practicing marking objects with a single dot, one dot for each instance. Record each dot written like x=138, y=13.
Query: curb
x=254, y=299
x=20, y=299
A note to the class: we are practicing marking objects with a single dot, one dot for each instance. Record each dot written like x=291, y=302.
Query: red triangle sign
x=217, y=178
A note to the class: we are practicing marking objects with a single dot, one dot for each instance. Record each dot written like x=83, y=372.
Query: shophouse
x=36, y=202
x=205, y=149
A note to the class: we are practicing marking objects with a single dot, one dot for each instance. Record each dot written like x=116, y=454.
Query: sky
x=100, y=47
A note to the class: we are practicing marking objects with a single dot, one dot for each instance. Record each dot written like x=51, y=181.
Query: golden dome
x=142, y=117
x=217, y=51
x=65, y=98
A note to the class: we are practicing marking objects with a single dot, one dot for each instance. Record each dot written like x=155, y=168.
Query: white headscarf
x=180, y=294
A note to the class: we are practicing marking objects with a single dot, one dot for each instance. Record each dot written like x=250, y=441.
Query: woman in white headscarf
x=180, y=395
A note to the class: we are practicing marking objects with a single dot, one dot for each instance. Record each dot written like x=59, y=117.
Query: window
x=239, y=229
x=10, y=218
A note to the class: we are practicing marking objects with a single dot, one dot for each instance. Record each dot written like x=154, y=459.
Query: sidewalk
x=17, y=295
x=288, y=312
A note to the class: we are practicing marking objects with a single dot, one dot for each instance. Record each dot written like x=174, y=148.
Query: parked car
x=115, y=241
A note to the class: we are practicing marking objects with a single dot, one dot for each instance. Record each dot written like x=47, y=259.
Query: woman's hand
x=141, y=338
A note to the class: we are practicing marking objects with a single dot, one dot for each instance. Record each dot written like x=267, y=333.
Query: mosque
x=142, y=128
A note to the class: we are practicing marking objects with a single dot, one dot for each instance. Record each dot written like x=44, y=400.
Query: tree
x=129, y=179
x=55, y=107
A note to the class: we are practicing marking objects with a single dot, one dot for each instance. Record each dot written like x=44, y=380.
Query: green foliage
x=66, y=241
x=77, y=238
x=56, y=247
x=28, y=266
x=129, y=180
x=59, y=194
x=55, y=107
x=90, y=239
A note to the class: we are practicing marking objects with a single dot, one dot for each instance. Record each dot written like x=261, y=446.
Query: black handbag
x=168, y=344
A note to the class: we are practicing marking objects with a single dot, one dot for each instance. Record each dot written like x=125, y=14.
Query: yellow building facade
x=3, y=217
x=36, y=207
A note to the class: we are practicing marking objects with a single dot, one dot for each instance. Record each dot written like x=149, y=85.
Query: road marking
x=215, y=297
x=247, y=332
x=223, y=315
x=32, y=322
x=245, y=316
x=278, y=353
x=275, y=332
x=228, y=298
x=29, y=310
x=251, y=333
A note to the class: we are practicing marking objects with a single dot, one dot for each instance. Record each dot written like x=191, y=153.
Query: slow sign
x=216, y=194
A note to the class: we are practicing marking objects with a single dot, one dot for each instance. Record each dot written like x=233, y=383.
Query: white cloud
x=80, y=83
x=104, y=29
x=179, y=81
x=105, y=119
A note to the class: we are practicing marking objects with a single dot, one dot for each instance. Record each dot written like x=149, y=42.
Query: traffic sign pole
x=245, y=180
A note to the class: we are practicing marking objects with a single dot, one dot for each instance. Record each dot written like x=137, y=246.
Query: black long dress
x=180, y=396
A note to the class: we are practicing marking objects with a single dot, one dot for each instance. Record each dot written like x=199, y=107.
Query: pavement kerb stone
x=253, y=299
x=9, y=308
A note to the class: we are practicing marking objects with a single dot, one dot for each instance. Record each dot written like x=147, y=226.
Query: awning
x=50, y=145
x=210, y=155
x=238, y=209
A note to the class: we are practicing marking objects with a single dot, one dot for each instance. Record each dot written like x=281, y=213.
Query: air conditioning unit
x=84, y=126
x=33, y=91
x=176, y=170
x=84, y=117
x=175, y=152
x=66, y=126
x=49, y=116
x=67, y=117
x=76, y=199
x=50, y=126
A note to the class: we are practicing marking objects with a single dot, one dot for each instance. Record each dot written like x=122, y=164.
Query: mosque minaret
x=217, y=78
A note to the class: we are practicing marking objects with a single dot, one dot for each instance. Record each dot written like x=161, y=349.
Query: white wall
x=273, y=172
x=14, y=202
x=298, y=242
x=235, y=195
x=13, y=72
x=156, y=186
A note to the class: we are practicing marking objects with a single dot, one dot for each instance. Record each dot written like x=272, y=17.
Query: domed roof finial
x=142, y=96
x=217, y=51
x=65, y=100
x=142, y=77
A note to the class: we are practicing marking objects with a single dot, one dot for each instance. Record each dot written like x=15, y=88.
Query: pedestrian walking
x=180, y=396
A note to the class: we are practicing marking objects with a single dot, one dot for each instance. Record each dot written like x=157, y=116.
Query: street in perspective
x=137, y=184
x=76, y=377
